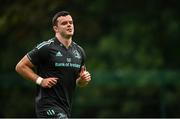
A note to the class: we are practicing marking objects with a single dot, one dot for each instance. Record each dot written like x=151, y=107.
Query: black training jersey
x=53, y=59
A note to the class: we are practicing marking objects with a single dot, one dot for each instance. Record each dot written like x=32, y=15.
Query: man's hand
x=49, y=82
x=84, y=77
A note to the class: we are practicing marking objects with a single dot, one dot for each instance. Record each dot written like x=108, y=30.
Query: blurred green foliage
x=133, y=43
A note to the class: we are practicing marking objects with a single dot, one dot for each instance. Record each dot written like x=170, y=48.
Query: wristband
x=39, y=80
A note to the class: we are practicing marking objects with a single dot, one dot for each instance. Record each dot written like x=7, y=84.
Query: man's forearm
x=26, y=72
x=24, y=68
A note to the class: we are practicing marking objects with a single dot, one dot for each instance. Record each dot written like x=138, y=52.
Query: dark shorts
x=52, y=113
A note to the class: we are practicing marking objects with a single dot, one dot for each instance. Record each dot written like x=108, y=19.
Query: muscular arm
x=24, y=68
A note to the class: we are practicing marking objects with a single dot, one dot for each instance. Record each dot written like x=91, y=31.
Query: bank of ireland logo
x=76, y=54
x=58, y=54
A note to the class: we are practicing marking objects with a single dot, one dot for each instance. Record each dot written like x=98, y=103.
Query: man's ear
x=55, y=28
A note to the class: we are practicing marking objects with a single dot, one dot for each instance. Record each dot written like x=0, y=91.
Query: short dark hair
x=62, y=13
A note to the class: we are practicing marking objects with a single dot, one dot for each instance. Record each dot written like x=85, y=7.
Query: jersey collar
x=59, y=43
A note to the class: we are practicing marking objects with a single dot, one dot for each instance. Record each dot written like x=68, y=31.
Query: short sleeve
x=38, y=55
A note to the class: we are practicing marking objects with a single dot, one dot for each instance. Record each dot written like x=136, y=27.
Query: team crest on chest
x=76, y=54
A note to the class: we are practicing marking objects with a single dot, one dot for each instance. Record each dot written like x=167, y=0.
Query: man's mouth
x=70, y=30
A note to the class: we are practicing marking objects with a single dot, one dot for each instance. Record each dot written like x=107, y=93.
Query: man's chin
x=70, y=34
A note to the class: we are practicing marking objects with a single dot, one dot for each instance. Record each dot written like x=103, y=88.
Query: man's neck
x=65, y=41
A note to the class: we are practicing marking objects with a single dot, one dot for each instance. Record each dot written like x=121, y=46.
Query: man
x=60, y=67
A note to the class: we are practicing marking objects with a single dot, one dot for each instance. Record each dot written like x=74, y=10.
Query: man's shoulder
x=45, y=43
x=78, y=46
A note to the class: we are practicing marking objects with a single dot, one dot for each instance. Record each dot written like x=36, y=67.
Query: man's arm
x=24, y=68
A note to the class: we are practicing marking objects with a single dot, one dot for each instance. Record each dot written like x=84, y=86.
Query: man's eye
x=64, y=23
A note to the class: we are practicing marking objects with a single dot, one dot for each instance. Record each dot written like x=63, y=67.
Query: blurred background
x=132, y=49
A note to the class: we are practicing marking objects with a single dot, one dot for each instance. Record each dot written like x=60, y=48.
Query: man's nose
x=69, y=24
